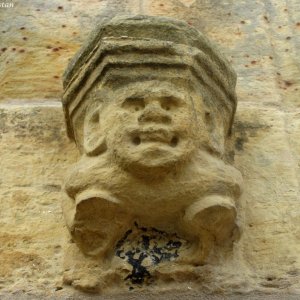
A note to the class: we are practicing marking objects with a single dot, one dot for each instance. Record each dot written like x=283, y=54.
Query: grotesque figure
x=150, y=104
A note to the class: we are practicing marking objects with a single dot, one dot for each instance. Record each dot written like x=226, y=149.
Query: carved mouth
x=151, y=135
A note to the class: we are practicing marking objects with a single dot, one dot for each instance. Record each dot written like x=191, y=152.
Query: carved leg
x=98, y=225
x=209, y=221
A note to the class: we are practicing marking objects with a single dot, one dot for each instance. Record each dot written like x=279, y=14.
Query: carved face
x=148, y=126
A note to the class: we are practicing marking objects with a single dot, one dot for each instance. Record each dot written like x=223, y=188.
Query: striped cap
x=137, y=41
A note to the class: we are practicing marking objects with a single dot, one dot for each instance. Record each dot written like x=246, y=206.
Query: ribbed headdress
x=125, y=42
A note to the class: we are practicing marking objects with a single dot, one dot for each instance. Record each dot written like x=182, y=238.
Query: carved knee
x=98, y=225
x=214, y=214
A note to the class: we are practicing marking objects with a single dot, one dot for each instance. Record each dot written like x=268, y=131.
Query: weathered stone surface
x=32, y=232
x=32, y=138
x=271, y=194
x=261, y=38
x=154, y=172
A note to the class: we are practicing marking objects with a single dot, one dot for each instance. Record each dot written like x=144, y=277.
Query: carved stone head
x=150, y=104
x=150, y=91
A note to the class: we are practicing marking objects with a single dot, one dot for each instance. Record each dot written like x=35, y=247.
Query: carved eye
x=134, y=104
x=95, y=117
x=165, y=107
x=168, y=103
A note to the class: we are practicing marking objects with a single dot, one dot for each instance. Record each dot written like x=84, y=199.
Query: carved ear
x=214, y=124
x=94, y=141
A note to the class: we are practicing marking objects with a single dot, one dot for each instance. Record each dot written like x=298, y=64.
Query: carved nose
x=154, y=113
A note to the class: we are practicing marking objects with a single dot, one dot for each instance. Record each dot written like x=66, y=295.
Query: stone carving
x=150, y=104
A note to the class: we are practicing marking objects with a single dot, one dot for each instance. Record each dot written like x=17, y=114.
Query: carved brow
x=172, y=98
x=134, y=98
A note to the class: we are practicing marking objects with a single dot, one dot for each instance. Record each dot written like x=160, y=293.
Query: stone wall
x=261, y=39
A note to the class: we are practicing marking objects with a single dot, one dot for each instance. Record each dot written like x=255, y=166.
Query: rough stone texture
x=262, y=40
x=32, y=139
x=154, y=178
x=36, y=154
x=261, y=37
x=271, y=194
